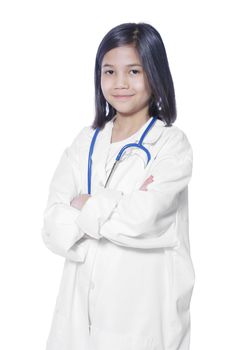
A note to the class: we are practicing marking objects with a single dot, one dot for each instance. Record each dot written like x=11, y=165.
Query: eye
x=110, y=70
x=135, y=70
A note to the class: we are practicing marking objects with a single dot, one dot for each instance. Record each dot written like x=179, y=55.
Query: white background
x=47, y=95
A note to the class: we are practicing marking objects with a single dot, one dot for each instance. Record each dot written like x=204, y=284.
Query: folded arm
x=61, y=232
x=143, y=219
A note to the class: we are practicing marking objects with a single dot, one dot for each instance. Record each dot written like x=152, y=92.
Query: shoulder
x=176, y=142
x=174, y=131
x=80, y=143
x=84, y=134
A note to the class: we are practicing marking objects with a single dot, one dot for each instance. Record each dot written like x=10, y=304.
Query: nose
x=121, y=81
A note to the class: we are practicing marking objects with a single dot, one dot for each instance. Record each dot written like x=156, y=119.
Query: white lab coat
x=128, y=275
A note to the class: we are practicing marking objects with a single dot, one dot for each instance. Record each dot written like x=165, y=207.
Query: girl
x=128, y=275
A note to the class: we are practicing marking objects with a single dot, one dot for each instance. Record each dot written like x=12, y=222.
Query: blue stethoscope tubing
x=139, y=145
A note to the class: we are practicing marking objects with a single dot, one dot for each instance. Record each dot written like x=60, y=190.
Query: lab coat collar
x=151, y=137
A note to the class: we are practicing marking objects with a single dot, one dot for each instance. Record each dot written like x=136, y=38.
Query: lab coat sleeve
x=145, y=219
x=60, y=232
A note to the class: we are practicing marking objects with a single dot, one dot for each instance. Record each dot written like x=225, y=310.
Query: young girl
x=123, y=229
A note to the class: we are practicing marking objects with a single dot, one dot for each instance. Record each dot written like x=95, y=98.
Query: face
x=123, y=81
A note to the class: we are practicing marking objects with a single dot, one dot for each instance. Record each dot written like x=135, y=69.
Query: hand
x=79, y=201
x=146, y=183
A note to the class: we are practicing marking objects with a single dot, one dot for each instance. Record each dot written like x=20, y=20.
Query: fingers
x=146, y=183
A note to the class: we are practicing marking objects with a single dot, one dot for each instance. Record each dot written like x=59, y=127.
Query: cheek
x=143, y=87
x=147, y=86
x=105, y=85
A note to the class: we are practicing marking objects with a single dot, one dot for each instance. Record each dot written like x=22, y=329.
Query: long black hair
x=153, y=57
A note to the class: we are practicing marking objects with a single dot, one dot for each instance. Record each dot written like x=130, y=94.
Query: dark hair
x=153, y=57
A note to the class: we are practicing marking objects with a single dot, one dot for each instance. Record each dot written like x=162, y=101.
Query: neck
x=129, y=124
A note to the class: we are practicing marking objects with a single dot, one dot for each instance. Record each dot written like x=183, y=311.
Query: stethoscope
x=139, y=145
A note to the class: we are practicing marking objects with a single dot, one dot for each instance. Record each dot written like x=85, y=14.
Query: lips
x=122, y=96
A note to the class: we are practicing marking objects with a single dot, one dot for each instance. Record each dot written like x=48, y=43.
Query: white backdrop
x=47, y=95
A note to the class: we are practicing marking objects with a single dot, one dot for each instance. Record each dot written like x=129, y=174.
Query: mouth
x=122, y=97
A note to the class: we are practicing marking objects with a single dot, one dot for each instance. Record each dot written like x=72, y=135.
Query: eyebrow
x=128, y=65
